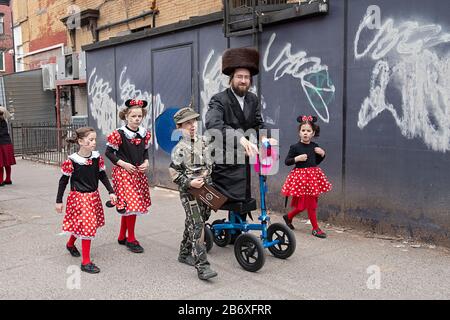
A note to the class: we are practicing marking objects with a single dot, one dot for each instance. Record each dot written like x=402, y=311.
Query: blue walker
x=248, y=249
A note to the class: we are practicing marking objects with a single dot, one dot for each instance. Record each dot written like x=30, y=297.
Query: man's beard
x=240, y=92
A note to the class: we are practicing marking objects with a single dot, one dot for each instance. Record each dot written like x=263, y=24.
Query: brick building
x=6, y=40
x=49, y=34
x=51, y=28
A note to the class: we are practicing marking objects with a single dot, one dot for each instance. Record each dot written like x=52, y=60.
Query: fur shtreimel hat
x=247, y=58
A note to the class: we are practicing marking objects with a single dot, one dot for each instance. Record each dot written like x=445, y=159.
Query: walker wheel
x=223, y=237
x=249, y=252
x=209, y=238
x=287, y=243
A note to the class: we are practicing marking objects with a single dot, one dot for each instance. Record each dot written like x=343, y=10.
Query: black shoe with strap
x=73, y=251
x=122, y=242
x=319, y=233
x=134, y=246
x=288, y=222
x=90, y=268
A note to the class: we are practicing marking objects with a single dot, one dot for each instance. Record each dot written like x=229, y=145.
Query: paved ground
x=35, y=265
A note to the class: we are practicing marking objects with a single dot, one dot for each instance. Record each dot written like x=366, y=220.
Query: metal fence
x=42, y=142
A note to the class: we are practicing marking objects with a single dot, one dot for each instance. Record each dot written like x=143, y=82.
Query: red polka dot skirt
x=306, y=181
x=133, y=189
x=84, y=214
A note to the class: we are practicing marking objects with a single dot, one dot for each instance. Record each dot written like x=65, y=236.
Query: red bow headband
x=306, y=118
x=136, y=103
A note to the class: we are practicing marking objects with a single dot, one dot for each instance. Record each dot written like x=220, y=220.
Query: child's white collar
x=131, y=135
x=82, y=160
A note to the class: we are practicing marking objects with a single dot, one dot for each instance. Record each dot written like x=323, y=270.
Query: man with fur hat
x=233, y=112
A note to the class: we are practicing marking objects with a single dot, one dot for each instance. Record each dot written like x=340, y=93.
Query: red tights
x=305, y=202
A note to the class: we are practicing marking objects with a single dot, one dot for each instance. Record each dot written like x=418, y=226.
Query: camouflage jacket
x=191, y=159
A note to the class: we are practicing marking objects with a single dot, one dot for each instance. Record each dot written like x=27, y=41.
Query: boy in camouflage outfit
x=191, y=167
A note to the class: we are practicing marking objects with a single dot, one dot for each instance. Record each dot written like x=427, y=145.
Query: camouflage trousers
x=196, y=215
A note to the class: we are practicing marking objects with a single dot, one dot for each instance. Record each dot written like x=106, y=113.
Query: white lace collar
x=131, y=135
x=82, y=160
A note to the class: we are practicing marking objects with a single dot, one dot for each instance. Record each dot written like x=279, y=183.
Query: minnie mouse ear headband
x=136, y=103
x=301, y=119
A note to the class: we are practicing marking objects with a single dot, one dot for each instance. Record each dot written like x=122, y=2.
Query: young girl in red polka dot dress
x=306, y=181
x=84, y=211
x=127, y=148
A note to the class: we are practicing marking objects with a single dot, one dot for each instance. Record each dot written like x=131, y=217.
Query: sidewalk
x=34, y=263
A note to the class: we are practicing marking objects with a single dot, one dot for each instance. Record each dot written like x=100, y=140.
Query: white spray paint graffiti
x=103, y=107
x=287, y=63
x=214, y=81
x=128, y=91
x=405, y=61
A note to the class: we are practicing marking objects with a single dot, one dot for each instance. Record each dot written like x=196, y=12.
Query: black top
x=132, y=152
x=299, y=148
x=4, y=135
x=83, y=177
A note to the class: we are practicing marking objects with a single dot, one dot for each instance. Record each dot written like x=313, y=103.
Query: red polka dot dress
x=132, y=147
x=84, y=210
x=306, y=179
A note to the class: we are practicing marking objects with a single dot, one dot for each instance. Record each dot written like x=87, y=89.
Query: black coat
x=224, y=112
x=4, y=134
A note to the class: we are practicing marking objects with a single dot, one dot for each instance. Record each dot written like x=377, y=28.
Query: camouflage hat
x=185, y=114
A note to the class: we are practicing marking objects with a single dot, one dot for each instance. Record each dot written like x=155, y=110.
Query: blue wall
x=381, y=93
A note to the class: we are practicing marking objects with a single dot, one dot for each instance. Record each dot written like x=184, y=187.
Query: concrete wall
x=381, y=94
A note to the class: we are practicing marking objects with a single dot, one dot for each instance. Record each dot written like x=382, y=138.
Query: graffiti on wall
x=312, y=74
x=413, y=60
x=104, y=108
x=213, y=80
x=102, y=105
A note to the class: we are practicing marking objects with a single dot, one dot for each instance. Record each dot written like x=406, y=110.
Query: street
x=348, y=264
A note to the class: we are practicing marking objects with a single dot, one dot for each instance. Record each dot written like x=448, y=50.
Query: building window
x=2, y=23
x=2, y=61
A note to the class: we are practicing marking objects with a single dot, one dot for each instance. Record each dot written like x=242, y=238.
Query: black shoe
x=73, y=251
x=2, y=184
x=122, y=242
x=7, y=182
x=90, y=268
x=134, y=246
x=189, y=260
x=319, y=233
x=288, y=222
x=206, y=274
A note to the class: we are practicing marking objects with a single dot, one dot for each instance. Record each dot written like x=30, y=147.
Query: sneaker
x=319, y=233
x=189, y=260
x=134, y=246
x=122, y=242
x=206, y=274
x=288, y=222
x=73, y=251
x=90, y=268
